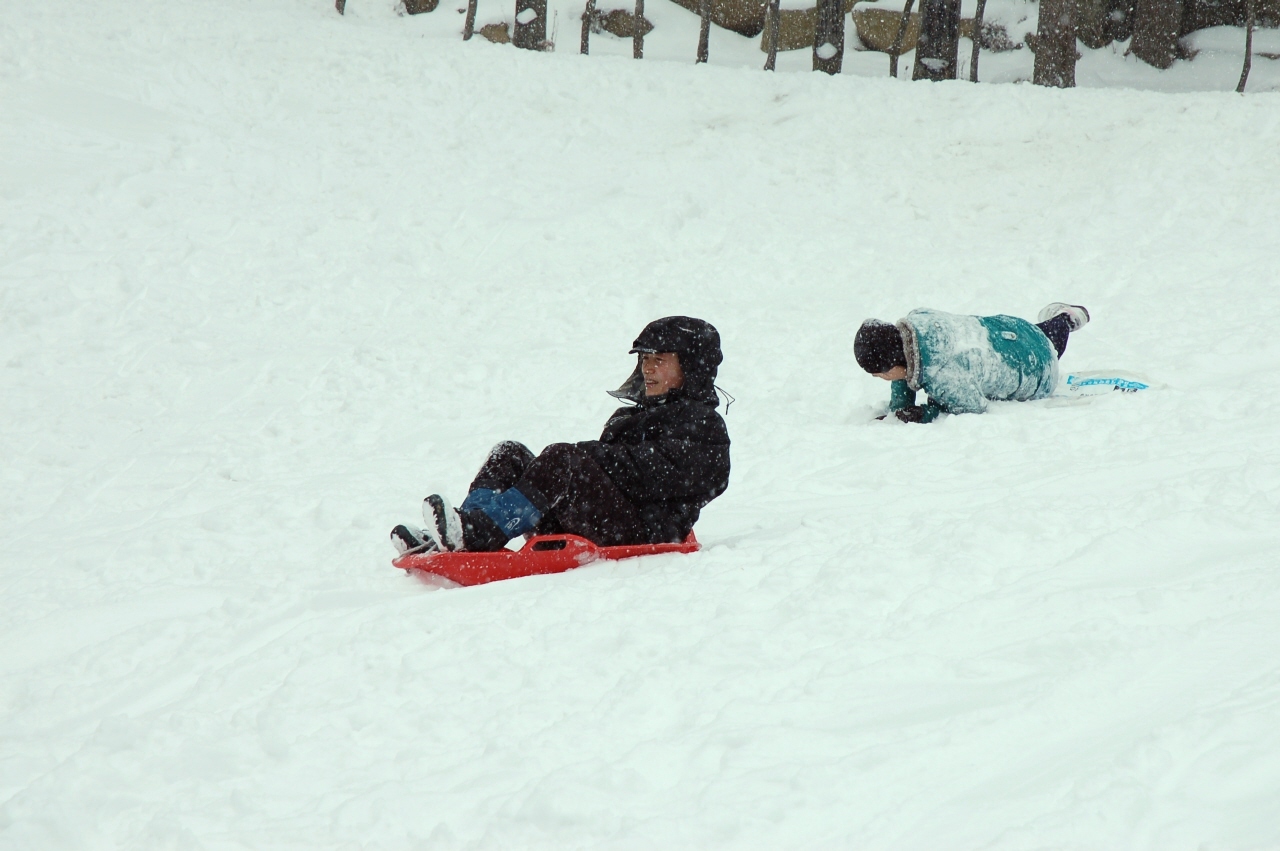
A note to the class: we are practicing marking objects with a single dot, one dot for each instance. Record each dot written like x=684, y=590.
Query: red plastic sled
x=540, y=554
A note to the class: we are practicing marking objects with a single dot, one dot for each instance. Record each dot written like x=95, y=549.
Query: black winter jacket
x=670, y=456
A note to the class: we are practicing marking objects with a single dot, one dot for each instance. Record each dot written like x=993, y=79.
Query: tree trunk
x=1248, y=46
x=1056, y=45
x=1155, y=31
x=937, y=54
x=1092, y=18
x=896, y=50
x=637, y=35
x=704, y=32
x=977, y=41
x=773, y=22
x=530, y=31
x=828, y=37
x=1119, y=25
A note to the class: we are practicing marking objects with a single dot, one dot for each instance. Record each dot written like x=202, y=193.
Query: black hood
x=696, y=341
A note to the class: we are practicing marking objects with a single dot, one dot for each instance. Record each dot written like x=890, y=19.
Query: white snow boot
x=444, y=526
x=1077, y=315
x=410, y=539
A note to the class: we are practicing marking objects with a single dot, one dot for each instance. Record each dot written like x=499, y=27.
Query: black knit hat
x=878, y=347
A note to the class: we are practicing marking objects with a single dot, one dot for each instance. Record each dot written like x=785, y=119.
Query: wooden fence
x=934, y=32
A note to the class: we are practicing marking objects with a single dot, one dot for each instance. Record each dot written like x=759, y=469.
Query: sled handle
x=556, y=543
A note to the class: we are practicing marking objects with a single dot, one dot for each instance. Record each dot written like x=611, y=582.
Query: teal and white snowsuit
x=963, y=362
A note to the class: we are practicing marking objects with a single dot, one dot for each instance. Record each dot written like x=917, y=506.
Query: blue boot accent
x=478, y=499
x=512, y=511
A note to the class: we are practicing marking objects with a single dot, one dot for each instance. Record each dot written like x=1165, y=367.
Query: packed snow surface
x=270, y=275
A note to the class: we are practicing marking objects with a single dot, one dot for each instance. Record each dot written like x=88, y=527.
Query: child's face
x=661, y=372
x=898, y=373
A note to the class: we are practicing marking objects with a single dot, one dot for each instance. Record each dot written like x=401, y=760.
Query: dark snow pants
x=575, y=496
x=1057, y=329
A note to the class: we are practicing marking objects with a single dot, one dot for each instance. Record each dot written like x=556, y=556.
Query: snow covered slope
x=270, y=276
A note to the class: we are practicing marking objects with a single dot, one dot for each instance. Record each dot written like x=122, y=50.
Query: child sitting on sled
x=963, y=362
x=659, y=460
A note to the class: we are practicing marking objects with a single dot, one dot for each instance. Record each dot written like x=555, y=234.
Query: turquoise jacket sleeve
x=900, y=396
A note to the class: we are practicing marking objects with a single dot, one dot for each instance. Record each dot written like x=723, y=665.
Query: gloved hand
x=911, y=414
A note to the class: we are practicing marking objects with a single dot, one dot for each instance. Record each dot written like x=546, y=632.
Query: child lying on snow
x=657, y=463
x=962, y=362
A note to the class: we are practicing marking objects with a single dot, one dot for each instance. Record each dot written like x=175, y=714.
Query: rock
x=1156, y=25
x=994, y=37
x=621, y=23
x=796, y=28
x=745, y=17
x=496, y=33
x=877, y=28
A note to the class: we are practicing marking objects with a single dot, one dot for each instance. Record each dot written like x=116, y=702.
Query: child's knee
x=560, y=453
x=512, y=449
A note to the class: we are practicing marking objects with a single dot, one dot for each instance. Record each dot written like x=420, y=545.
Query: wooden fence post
x=637, y=35
x=704, y=32
x=896, y=50
x=587, y=14
x=469, y=25
x=773, y=21
x=1248, y=45
x=977, y=41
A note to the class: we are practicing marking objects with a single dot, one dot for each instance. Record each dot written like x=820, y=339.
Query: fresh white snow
x=268, y=276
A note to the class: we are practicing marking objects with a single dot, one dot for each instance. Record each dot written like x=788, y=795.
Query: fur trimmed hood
x=910, y=348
